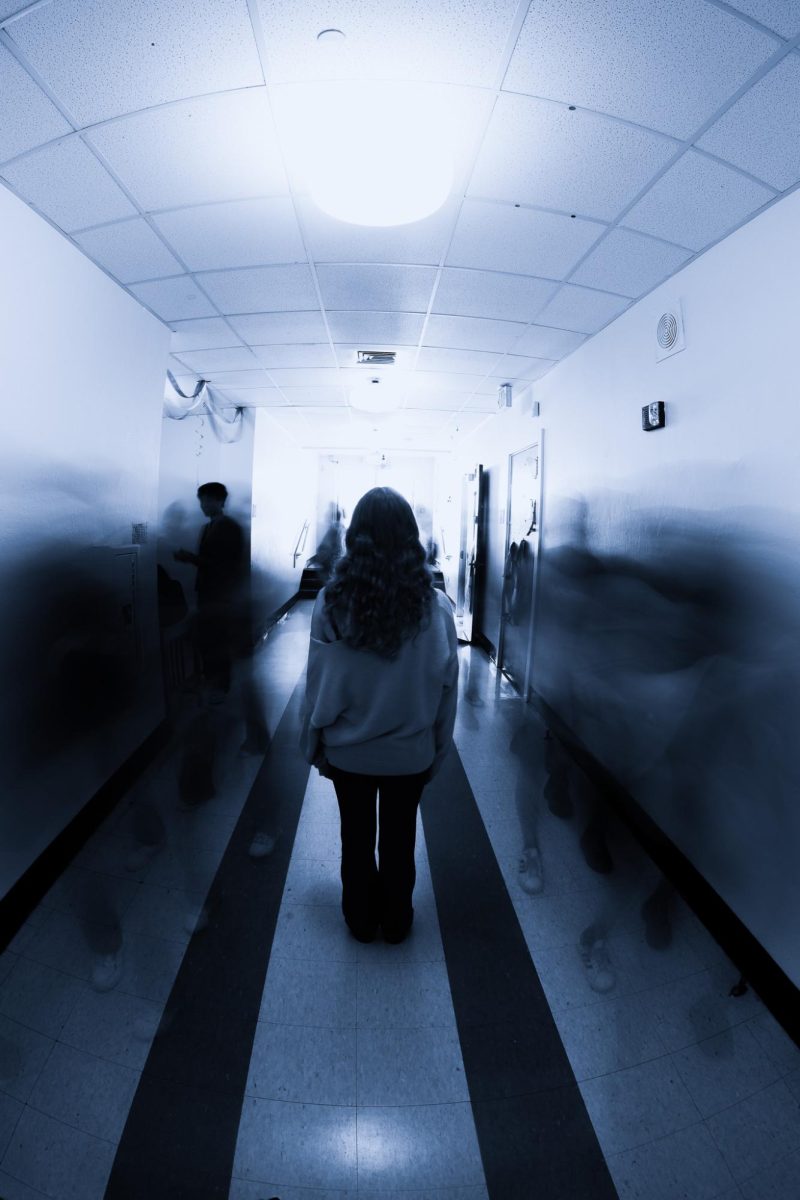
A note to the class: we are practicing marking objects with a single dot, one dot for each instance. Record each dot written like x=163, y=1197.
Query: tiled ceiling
x=598, y=148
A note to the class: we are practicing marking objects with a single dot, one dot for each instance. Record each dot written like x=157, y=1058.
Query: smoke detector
x=669, y=332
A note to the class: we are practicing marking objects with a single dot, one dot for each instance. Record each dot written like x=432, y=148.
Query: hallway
x=243, y=1045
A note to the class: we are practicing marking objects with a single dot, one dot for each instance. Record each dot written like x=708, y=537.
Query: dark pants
x=213, y=630
x=378, y=894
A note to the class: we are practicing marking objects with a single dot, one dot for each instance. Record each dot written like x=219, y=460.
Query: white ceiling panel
x=312, y=377
x=666, y=66
x=371, y=330
x=29, y=118
x=517, y=367
x=488, y=294
x=319, y=355
x=314, y=397
x=473, y=362
x=696, y=202
x=500, y=237
x=138, y=53
x=9, y=7
x=68, y=184
x=424, y=242
x=629, y=263
x=276, y=328
x=540, y=153
x=215, y=148
x=444, y=381
x=259, y=397
x=471, y=333
x=761, y=132
x=209, y=333
x=243, y=380
x=386, y=288
x=413, y=40
x=234, y=358
x=781, y=15
x=538, y=341
x=129, y=250
x=173, y=299
x=261, y=289
x=581, y=309
x=481, y=403
x=243, y=233
x=440, y=399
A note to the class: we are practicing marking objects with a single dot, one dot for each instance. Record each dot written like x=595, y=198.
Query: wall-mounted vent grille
x=376, y=358
x=669, y=333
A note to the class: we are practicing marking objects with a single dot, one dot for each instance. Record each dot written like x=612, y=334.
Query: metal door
x=520, y=569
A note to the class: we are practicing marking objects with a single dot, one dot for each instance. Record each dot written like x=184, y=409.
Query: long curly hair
x=381, y=591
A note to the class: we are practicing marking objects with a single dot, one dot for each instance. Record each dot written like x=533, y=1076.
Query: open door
x=520, y=572
x=471, y=552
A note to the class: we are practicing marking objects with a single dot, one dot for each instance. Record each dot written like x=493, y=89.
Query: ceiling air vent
x=669, y=333
x=375, y=358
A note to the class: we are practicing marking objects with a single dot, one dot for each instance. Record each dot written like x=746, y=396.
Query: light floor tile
x=313, y=881
x=601, y=1038
x=725, y=1068
x=418, y=1147
x=56, y=1159
x=14, y=1189
x=306, y=1064
x=252, y=1189
x=39, y=997
x=303, y=1145
x=689, y=1010
x=113, y=1025
x=8, y=960
x=637, y=1105
x=397, y=994
x=10, y=1113
x=313, y=931
x=776, y=1042
x=310, y=992
x=410, y=1066
x=89, y=1093
x=23, y=1054
x=682, y=1166
x=758, y=1132
x=778, y=1182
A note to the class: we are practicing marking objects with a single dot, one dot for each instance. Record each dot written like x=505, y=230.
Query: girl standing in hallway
x=380, y=705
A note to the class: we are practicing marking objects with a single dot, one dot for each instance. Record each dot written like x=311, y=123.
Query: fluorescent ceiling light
x=373, y=153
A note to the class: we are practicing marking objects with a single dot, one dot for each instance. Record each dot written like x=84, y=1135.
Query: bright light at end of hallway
x=373, y=153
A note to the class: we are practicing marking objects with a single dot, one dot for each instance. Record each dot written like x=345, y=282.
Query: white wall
x=284, y=497
x=667, y=632
x=82, y=373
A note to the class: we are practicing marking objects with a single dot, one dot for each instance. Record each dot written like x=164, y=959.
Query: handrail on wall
x=301, y=543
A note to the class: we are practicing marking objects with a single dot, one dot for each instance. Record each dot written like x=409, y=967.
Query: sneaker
x=107, y=971
x=597, y=966
x=262, y=845
x=530, y=871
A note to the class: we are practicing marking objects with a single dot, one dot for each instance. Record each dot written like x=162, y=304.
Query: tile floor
x=356, y=1085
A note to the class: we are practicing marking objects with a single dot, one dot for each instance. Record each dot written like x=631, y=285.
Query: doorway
x=520, y=572
x=471, y=552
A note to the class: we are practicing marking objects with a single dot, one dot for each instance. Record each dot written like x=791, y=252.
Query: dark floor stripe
x=180, y=1137
x=533, y=1129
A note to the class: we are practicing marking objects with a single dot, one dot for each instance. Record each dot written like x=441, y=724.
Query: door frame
x=537, y=445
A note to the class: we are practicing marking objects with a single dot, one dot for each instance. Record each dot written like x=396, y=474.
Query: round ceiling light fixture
x=375, y=396
x=376, y=153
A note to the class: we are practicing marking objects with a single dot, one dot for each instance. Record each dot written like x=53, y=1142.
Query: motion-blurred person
x=219, y=563
x=331, y=546
x=380, y=705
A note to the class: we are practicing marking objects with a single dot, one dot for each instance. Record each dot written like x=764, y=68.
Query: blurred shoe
x=596, y=852
x=597, y=966
x=556, y=793
x=363, y=933
x=531, y=879
x=262, y=845
x=196, y=920
x=107, y=971
x=394, y=933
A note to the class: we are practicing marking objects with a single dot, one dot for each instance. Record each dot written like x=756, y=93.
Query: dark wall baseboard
x=266, y=624
x=29, y=889
x=757, y=967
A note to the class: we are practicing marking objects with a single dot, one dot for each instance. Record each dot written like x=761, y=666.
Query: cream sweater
x=373, y=716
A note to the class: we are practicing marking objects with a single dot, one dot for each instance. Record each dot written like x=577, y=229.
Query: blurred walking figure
x=219, y=562
x=380, y=705
x=331, y=546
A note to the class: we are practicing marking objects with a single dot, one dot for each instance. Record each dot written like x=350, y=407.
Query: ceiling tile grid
x=375, y=329
x=67, y=183
x=761, y=132
x=173, y=299
x=29, y=117
x=257, y=397
x=276, y=357
x=234, y=358
x=413, y=40
x=697, y=201
x=252, y=378
x=501, y=237
x=9, y=7
x=275, y=328
x=138, y=53
x=629, y=263
x=542, y=342
x=242, y=233
x=517, y=367
x=220, y=147
x=581, y=309
x=665, y=66
x=468, y=293
x=205, y=333
x=457, y=361
x=781, y=15
x=314, y=397
x=540, y=153
x=387, y=288
x=129, y=250
x=423, y=242
x=471, y=333
x=261, y=289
